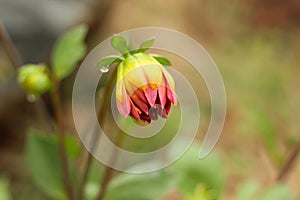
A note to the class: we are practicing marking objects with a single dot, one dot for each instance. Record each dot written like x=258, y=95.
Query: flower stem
x=101, y=110
x=61, y=139
x=290, y=163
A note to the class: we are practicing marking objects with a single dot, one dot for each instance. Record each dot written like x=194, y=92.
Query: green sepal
x=162, y=60
x=106, y=61
x=146, y=45
x=119, y=43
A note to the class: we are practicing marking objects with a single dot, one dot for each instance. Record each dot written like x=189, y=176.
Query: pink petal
x=172, y=96
x=151, y=94
x=162, y=95
x=122, y=99
x=134, y=112
x=169, y=84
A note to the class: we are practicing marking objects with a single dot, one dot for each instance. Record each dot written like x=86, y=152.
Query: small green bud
x=34, y=79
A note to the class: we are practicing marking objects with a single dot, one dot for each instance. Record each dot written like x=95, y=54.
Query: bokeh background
x=254, y=43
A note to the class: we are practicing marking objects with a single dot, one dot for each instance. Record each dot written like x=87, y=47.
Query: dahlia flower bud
x=144, y=88
x=34, y=79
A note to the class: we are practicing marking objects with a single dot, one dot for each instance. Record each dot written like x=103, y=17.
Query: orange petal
x=139, y=103
x=140, y=93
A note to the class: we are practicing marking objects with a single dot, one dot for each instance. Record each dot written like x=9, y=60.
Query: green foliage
x=4, y=190
x=195, y=178
x=34, y=79
x=191, y=171
x=119, y=43
x=43, y=161
x=68, y=50
x=266, y=131
x=42, y=155
x=202, y=193
x=146, y=45
x=93, y=181
x=277, y=192
x=247, y=190
x=250, y=190
x=73, y=147
x=148, y=186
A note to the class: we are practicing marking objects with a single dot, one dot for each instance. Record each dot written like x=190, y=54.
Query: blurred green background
x=255, y=45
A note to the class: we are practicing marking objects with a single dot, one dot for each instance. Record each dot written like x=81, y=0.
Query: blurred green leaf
x=91, y=190
x=119, y=43
x=72, y=146
x=161, y=60
x=148, y=186
x=43, y=161
x=267, y=133
x=266, y=129
x=277, y=192
x=68, y=50
x=250, y=190
x=93, y=182
x=4, y=190
x=202, y=193
x=146, y=45
x=109, y=60
x=247, y=190
x=192, y=171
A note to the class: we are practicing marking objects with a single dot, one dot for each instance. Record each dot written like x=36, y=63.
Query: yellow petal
x=151, y=69
x=122, y=98
x=133, y=73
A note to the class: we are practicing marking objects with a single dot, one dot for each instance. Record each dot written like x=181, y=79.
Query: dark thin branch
x=9, y=47
x=61, y=139
x=289, y=164
x=100, y=116
x=108, y=175
x=109, y=172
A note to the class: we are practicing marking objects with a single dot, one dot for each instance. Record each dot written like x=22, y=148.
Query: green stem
x=61, y=139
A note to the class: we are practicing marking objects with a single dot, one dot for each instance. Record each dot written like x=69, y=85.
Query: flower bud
x=34, y=79
x=145, y=89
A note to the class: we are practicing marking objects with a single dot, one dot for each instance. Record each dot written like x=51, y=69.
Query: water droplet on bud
x=31, y=98
x=104, y=69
